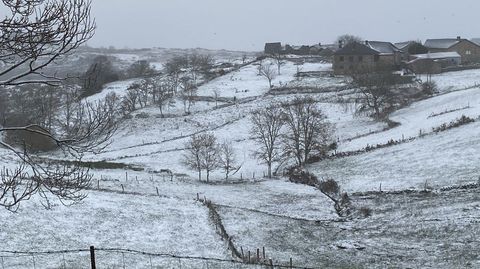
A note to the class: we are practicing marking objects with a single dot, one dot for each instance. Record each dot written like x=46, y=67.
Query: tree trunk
x=199, y=175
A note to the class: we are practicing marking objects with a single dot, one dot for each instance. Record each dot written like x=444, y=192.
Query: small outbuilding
x=433, y=63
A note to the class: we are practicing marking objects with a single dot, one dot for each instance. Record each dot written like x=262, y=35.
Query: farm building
x=468, y=50
x=433, y=63
x=362, y=57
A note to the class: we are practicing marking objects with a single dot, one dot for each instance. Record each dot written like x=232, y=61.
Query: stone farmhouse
x=362, y=57
x=468, y=50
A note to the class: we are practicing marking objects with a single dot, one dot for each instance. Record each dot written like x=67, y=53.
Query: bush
x=365, y=211
x=142, y=115
x=329, y=186
x=296, y=175
x=429, y=88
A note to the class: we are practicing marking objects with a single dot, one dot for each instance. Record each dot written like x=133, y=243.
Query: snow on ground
x=246, y=82
x=443, y=159
x=111, y=220
x=157, y=66
x=424, y=231
x=290, y=220
x=459, y=80
x=422, y=116
x=126, y=57
x=117, y=87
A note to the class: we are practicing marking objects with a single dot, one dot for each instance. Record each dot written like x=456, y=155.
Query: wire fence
x=121, y=258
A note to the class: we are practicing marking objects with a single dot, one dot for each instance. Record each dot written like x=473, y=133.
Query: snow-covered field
x=156, y=213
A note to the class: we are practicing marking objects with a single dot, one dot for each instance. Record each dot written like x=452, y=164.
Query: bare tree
x=130, y=100
x=188, y=94
x=100, y=72
x=37, y=33
x=34, y=35
x=266, y=70
x=140, y=68
x=173, y=68
x=216, y=95
x=227, y=158
x=209, y=154
x=202, y=154
x=193, y=154
x=279, y=61
x=347, y=39
x=375, y=91
x=307, y=129
x=164, y=93
x=266, y=131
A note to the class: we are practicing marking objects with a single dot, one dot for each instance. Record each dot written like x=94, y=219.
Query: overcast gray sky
x=248, y=24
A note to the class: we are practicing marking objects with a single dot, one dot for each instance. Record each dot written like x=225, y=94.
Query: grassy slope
x=266, y=213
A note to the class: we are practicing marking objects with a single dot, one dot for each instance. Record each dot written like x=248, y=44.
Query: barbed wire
x=13, y=253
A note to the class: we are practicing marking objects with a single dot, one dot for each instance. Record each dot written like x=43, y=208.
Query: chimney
x=366, y=42
x=340, y=44
x=459, y=37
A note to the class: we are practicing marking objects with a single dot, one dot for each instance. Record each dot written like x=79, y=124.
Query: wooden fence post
x=92, y=257
x=291, y=263
x=33, y=260
x=271, y=264
x=263, y=250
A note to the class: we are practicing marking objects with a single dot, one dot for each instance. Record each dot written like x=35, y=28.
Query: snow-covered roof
x=356, y=48
x=402, y=45
x=437, y=55
x=382, y=47
x=443, y=43
x=476, y=41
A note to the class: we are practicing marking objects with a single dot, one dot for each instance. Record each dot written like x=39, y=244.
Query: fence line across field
x=35, y=255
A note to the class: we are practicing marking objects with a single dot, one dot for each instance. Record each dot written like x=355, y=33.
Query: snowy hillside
x=152, y=208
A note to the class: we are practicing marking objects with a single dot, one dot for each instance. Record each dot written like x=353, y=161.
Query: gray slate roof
x=438, y=55
x=383, y=47
x=443, y=43
x=356, y=48
x=403, y=45
x=476, y=41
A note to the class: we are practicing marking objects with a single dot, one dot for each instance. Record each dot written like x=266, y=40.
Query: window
x=360, y=58
x=351, y=67
x=340, y=66
x=341, y=58
x=468, y=52
x=376, y=58
x=350, y=59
